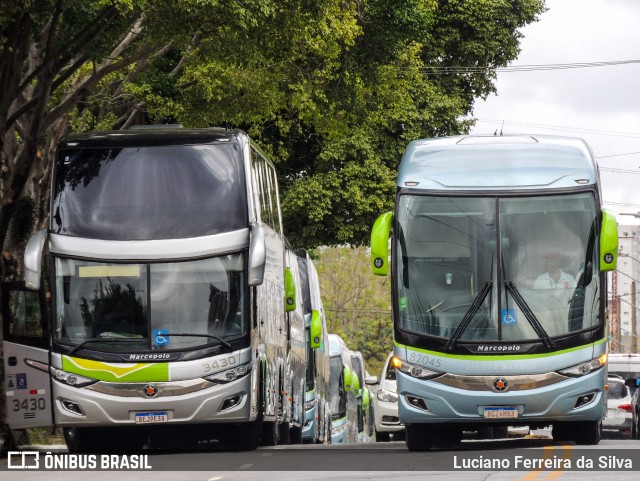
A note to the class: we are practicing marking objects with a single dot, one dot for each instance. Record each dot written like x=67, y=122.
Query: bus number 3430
x=31, y=404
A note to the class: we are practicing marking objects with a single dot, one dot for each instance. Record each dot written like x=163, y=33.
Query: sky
x=600, y=104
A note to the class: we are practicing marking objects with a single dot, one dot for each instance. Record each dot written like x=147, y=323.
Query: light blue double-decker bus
x=498, y=256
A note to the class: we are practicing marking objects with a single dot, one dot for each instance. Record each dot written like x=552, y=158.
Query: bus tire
x=419, y=437
x=270, y=435
x=295, y=435
x=284, y=434
x=245, y=436
x=587, y=432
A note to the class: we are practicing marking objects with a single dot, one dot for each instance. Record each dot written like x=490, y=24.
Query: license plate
x=500, y=412
x=152, y=418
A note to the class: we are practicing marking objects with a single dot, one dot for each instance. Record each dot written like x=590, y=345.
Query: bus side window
x=22, y=312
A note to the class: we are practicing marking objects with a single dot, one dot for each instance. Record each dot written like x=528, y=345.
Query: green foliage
x=356, y=303
x=332, y=89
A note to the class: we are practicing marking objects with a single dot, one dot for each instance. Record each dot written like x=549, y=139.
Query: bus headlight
x=230, y=374
x=414, y=370
x=585, y=368
x=387, y=396
x=70, y=378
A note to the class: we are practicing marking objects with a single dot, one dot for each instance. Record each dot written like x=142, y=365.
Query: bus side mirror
x=380, y=244
x=257, y=255
x=289, y=290
x=33, y=260
x=355, y=384
x=608, y=242
x=346, y=379
x=365, y=398
x=315, y=330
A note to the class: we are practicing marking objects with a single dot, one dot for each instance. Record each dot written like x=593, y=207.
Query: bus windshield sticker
x=160, y=338
x=509, y=317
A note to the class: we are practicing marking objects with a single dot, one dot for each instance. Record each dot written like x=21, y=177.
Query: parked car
x=634, y=384
x=618, y=415
x=385, y=405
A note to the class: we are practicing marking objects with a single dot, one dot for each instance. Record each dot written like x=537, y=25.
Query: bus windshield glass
x=155, y=304
x=156, y=192
x=497, y=268
x=337, y=398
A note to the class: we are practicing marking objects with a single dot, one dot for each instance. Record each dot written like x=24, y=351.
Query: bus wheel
x=270, y=435
x=587, y=432
x=419, y=437
x=295, y=435
x=284, y=434
x=245, y=436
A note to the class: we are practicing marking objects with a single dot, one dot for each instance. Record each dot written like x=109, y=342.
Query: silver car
x=385, y=405
x=618, y=415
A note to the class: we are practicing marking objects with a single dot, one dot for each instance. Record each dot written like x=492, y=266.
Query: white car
x=385, y=405
x=618, y=416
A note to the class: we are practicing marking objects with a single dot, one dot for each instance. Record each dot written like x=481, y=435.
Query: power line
x=615, y=133
x=450, y=69
x=619, y=171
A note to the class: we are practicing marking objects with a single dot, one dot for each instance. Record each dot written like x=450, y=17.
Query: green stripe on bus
x=115, y=372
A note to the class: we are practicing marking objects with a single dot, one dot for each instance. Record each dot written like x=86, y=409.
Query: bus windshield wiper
x=108, y=339
x=528, y=313
x=468, y=316
x=208, y=336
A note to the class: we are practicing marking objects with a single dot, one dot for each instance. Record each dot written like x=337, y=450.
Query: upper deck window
x=150, y=192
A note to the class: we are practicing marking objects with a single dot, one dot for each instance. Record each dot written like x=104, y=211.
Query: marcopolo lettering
x=498, y=348
x=149, y=357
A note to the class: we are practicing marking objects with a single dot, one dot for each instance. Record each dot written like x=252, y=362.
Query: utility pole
x=634, y=319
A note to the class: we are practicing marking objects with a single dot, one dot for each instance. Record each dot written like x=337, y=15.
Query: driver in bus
x=554, y=277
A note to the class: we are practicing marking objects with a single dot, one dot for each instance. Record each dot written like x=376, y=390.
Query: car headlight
x=230, y=374
x=70, y=378
x=414, y=370
x=585, y=368
x=387, y=396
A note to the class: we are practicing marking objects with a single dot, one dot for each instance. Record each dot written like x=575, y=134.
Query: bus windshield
x=337, y=399
x=497, y=268
x=142, y=193
x=162, y=306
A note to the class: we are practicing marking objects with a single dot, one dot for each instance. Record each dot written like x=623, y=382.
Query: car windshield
x=158, y=306
x=453, y=251
x=616, y=390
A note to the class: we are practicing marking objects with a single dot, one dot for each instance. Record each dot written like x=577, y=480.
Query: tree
x=357, y=304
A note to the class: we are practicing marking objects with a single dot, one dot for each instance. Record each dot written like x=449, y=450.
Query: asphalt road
x=533, y=458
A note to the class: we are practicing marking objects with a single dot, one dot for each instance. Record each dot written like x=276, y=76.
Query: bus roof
x=150, y=137
x=497, y=162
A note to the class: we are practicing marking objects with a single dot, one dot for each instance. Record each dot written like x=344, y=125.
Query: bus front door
x=27, y=382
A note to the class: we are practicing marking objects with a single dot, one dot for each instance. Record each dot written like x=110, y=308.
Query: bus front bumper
x=574, y=399
x=121, y=404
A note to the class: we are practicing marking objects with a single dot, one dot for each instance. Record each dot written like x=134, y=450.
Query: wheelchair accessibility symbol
x=160, y=338
x=509, y=317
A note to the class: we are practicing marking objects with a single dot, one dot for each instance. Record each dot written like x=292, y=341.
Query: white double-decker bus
x=499, y=254
x=164, y=259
